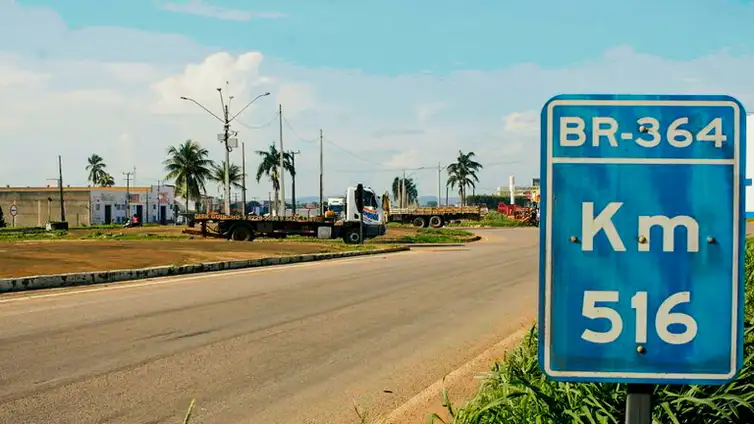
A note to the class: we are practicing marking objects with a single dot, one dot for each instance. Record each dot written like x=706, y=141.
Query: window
x=369, y=199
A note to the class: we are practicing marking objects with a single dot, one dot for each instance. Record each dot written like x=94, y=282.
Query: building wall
x=147, y=200
x=84, y=205
x=34, y=208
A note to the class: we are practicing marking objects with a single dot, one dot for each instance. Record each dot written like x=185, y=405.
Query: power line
x=256, y=127
x=423, y=168
x=382, y=168
x=328, y=141
x=288, y=124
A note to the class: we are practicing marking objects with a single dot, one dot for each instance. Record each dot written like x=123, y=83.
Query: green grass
x=431, y=235
x=516, y=391
x=491, y=219
x=7, y=236
x=94, y=235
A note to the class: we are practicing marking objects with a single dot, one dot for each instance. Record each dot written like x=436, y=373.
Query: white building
x=151, y=204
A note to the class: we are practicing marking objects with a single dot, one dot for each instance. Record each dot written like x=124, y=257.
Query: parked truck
x=349, y=227
x=336, y=205
x=435, y=217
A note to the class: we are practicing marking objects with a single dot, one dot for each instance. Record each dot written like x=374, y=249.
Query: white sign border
x=548, y=240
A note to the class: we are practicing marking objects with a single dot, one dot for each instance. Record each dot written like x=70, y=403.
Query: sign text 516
x=663, y=319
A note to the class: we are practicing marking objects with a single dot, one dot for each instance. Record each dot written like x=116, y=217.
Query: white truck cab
x=373, y=215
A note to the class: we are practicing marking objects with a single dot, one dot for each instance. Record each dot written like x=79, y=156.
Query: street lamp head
x=184, y=98
x=219, y=89
x=266, y=94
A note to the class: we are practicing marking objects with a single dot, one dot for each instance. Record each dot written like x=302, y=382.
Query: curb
x=408, y=243
x=17, y=284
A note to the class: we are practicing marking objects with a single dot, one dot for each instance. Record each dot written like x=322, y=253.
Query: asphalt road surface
x=292, y=344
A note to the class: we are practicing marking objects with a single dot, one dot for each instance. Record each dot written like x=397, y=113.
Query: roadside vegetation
x=491, y=219
x=516, y=391
x=431, y=235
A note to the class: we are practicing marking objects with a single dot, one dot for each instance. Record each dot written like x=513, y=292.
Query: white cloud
x=115, y=92
x=427, y=111
x=524, y=123
x=201, y=8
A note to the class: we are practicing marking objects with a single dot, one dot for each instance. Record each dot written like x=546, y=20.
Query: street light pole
x=226, y=136
x=293, y=178
x=226, y=120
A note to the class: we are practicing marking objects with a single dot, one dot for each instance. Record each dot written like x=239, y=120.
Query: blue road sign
x=642, y=238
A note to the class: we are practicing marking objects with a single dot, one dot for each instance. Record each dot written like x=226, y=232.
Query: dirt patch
x=55, y=257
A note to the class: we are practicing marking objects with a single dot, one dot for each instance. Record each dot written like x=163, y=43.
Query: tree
x=411, y=194
x=270, y=166
x=2, y=218
x=107, y=180
x=217, y=174
x=188, y=165
x=463, y=173
x=96, y=167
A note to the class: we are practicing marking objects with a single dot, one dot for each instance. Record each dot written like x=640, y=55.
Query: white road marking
x=168, y=280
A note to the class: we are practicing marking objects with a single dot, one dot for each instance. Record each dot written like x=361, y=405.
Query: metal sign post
x=13, y=213
x=360, y=207
x=642, y=241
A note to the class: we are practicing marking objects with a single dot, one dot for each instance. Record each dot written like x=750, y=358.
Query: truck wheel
x=242, y=233
x=352, y=237
x=419, y=222
x=435, y=222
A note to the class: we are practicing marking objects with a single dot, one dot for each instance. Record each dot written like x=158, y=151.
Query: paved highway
x=292, y=344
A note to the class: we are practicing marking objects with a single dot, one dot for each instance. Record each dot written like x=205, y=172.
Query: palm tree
x=107, y=180
x=463, y=173
x=96, y=168
x=270, y=166
x=234, y=171
x=188, y=165
x=411, y=194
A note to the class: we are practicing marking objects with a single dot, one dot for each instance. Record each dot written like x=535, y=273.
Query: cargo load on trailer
x=360, y=220
x=435, y=217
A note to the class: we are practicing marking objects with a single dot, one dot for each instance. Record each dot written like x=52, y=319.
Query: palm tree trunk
x=277, y=203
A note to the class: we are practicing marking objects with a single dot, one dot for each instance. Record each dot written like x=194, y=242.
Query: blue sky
x=397, y=36
x=394, y=84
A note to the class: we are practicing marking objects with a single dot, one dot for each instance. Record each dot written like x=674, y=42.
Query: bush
x=492, y=219
x=2, y=218
x=516, y=391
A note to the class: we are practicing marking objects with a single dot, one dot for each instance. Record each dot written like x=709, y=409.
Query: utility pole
x=225, y=136
x=60, y=188
x=321, y=170
x=403, y=190
x=282, y=162
x=146, y=218
x=158, y=202
x=293, y=178
x=439, y=184
x=128, y=194
x=243, y=171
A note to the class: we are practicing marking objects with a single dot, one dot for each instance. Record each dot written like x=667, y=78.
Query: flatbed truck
x=349, y=227
x=435, y=217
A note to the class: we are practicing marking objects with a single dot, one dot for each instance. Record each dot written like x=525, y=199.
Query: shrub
x=516, y=391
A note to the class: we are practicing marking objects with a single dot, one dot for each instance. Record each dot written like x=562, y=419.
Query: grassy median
x=491, y=219
x=516, y=391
